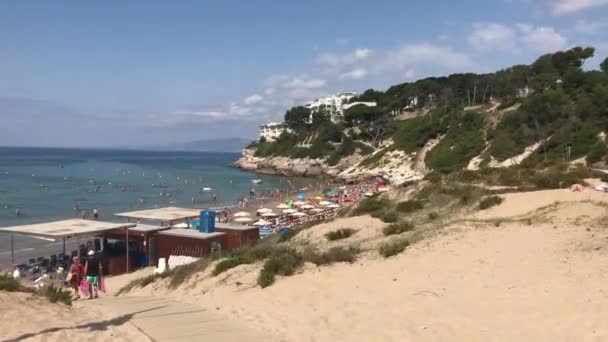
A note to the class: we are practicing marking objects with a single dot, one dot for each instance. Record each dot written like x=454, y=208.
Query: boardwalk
x=167, y=320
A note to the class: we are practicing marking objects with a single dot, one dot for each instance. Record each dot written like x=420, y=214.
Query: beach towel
x=102, y=284
x=84, y=288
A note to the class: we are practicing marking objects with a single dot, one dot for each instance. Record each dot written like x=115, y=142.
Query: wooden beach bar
x=67, y=229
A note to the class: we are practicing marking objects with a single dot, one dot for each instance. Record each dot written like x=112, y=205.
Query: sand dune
x=538, y=278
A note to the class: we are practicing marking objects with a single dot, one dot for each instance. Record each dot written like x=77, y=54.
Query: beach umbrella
x=325, y=203
x=299, y=203
x=264, y=210
x=307, y=206
x=298, y=214
x=181, y=225
x=261, y=222
x=242, y=219
x=283, y=206
x=301, y=196
x=317, y=210
x=289, y=211
x=242, y=214
x=269, y=214
x=333, y=206
x=318, y=198
x=383, y=189
x=369, y=194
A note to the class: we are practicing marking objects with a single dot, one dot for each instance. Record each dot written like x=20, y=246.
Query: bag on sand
x=84, y=288
x=102, y=284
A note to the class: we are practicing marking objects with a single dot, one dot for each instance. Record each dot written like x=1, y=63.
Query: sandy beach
x=539, y=277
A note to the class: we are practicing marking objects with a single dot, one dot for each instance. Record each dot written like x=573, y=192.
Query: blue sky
x=121, y=73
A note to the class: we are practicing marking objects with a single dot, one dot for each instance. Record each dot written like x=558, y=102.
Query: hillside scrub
x=284, y=261
x=393, y=247
x=489, y=202
x=340, y=234
x=409, y=206
x=463, y=141
x=333, y=255
x=398, y=228
x=562, y=106
x=51, y=291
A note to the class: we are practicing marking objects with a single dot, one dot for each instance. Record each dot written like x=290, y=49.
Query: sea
x=47, y=184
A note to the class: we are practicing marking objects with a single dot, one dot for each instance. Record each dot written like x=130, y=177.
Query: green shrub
x=282, y=262
x=333, y=255
x=289, y=234
x=388, y=216
x=409, y=206
x=398, y=228
x=554, y=179
x=56, y=294
x=597, y=152
x=468, y=176
x=364, y=148
x=9, y=284
x=339, y=234
x=433, y=215
x=370, y=205
x=182, y=273
x=393, y=247
x=489, y=202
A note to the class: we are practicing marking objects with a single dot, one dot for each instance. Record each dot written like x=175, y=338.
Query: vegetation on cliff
x=553, y=102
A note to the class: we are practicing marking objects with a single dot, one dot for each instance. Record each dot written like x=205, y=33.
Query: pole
x=12, y=249
x=62, y=261
x=127, y=233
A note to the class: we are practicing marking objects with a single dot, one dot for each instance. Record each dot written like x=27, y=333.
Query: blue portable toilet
x=207, y=222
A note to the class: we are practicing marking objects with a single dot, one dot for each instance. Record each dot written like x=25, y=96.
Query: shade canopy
x=242, y=219
x=242, y=214
x=163, y=214
x=264, y=210
x=65, y=228
x=299, y=203
x=298, y=214
x=261, y=222
x=317, y=210
x=308, y=206
x=283, y=206
x=333, y=206
x=325, y=203
x=289, y=211
x=269, y=214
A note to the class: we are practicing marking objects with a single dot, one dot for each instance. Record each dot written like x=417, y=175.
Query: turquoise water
x=47, y=184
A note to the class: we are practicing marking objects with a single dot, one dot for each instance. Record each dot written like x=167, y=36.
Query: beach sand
x=539, y=278
x=26, y=317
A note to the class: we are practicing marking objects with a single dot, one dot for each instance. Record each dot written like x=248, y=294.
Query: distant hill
x=206, y=145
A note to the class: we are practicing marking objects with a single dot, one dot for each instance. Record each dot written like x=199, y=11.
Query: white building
x=272, y=130
x=368, y=104
x=333, y=105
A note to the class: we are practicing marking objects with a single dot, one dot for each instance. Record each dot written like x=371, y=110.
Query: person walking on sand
x=75, y=276
x=93, y=271
x=84, y=214
x=95, y=213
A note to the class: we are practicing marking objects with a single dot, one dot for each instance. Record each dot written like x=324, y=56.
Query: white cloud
x=301, y=83
x=571, y=6
x=344, y=59
x=426, y=53
x=269, y=91
x=253, y=99
x=361, y=54
x=585, y=26
x=541, y=39
x=492, y=36
x=410, y=74
x=356, y=74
